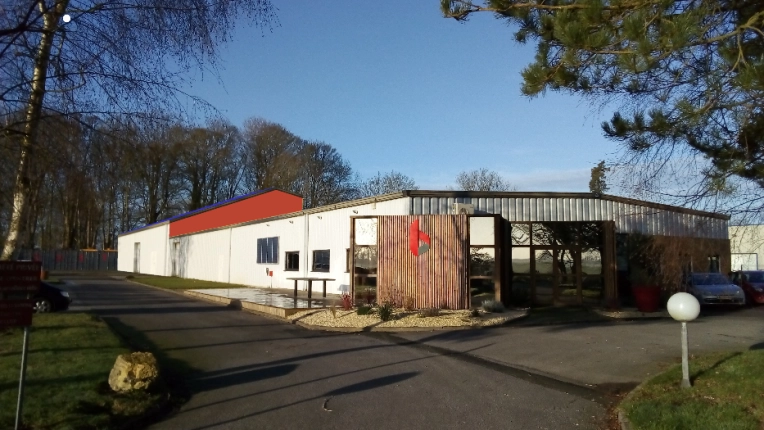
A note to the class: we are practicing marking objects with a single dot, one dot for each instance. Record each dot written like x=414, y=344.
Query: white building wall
x=153, y=250
x=628, y=217
x=747, y=246
x=203, y=256
x=244, y=267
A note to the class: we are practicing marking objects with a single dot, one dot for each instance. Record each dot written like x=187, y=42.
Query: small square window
x=320, y=261
x=292, y=261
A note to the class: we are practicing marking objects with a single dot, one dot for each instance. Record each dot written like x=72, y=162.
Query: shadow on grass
x=714, y=366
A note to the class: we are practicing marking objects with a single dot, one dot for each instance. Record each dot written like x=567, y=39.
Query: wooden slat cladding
x=437, y=278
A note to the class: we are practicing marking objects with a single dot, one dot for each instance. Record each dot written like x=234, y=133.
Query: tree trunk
x=51, y=18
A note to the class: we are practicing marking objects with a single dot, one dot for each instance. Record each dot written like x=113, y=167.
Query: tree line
x=90, y=179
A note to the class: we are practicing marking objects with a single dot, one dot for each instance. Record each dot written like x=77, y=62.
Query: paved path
x=253, y=372
x=610, y=355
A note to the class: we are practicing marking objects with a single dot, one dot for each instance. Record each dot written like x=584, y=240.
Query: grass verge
x=175, y=283
x=727, y=393
x=68, y=364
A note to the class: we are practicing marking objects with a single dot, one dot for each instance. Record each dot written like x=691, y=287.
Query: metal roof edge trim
x=145, y=227
x=541, y=194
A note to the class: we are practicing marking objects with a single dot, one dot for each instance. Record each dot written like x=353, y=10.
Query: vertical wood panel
x=434, y=279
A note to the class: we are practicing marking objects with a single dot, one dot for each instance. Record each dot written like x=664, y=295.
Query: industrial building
x=441, y=248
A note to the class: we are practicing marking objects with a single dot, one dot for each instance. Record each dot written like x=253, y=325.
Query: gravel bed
x=403, y=319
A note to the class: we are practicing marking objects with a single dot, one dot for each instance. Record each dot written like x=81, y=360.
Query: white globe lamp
x=684, y=307
x=67, y=18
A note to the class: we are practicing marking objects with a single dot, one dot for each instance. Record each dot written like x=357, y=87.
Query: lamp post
x=684, y=307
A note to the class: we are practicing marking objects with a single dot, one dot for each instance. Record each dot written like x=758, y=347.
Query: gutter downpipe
x=306, y=245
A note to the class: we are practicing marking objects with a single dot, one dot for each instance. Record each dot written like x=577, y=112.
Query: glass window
x=544, y=261
x=292, y=261
x=366, y=231
x=555, y=233
x=521, y=260
x=268, y=250
x=713, y=263
x=482, y=261
x=320, y=261
x=481, y=231
x=591, y=262
x=521, y=234
x=366, y=260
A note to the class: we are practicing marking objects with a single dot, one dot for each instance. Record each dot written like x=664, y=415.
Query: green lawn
x=727, y=393
x=175, y=283
x=70, y=357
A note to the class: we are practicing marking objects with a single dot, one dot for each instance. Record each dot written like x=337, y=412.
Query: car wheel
x=43, y=306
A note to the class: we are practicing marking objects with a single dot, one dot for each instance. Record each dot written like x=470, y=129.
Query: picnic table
x=310, y=280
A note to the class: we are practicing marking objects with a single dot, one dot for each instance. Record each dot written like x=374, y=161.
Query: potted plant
x=644, y=267
x=647, y=293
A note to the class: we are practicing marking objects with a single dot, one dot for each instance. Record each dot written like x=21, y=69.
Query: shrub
x=493, y=306
x=385, y=311
x=475, y=312
x=429, y=312
x=409, y=303
x=364, y=310
x=347, y=301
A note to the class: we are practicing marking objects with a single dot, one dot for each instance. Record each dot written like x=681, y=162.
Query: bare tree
x=483, y=180
x=272, y=155
x=209, y=166
x=327, y=178
x=113, y=58
x=388, y=183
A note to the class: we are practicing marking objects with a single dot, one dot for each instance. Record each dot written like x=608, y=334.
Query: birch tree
x=103, y=58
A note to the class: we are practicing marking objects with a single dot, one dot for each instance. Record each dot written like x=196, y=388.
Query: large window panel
x=482, y=261
x=482, y=231
x=268, y=250
x=366, y=231
x=521, y=234
x=521, y=260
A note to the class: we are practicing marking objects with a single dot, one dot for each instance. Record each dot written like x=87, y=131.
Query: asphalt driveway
x=610, y=355
x=249, y=371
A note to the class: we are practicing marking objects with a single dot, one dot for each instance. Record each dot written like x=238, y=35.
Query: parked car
x=714, y=289
x=47, y=299
x=752, y=283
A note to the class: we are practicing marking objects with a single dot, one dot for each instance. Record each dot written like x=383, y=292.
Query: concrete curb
x=619, y=315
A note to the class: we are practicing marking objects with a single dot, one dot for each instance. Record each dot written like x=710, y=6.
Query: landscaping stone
x=135, y=371
x=403, y=319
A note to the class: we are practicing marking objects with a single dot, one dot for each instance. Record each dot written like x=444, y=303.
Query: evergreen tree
x=689, y=74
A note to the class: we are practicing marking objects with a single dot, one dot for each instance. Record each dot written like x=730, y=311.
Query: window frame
x=287, y=254
x=313, y=261
x=270, y=254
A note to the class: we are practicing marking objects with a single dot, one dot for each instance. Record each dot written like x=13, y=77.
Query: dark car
x=752, y=283
x=47, y=299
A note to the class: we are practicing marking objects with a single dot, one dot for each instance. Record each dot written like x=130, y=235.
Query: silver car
x=715, y=289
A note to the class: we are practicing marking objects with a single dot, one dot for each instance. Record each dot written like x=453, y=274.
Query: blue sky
x=395, y=86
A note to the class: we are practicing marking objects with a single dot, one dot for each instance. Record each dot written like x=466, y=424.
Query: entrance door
x=556, y=274
x=137, y=257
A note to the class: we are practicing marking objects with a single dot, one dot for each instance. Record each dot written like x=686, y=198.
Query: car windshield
x=755, y=276
x=709, y=279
